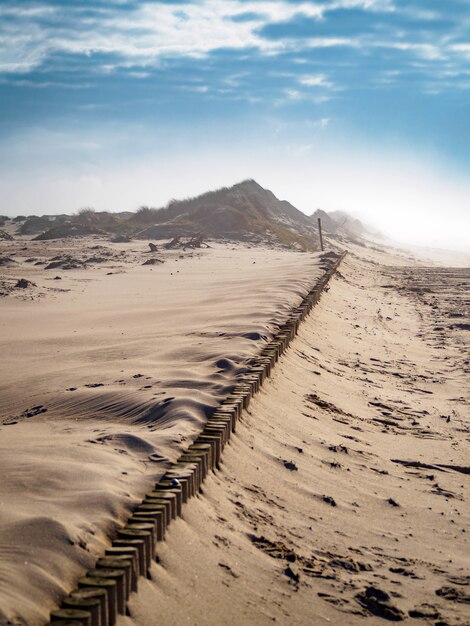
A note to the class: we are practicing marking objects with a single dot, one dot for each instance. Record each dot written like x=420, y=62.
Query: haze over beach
x=234, y=312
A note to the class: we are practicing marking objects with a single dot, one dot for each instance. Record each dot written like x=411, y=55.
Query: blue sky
x=352, y=104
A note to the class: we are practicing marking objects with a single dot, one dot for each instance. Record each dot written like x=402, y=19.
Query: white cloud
x=372, y=5
x=137, y=74
x=195, y=88
x=426, y=51
x=294, y=94
x=332, y=42
x=31, y=11
x=461, y=49
x=324, y=122
x=316, y=80
x=143, y=35
x=44, y=84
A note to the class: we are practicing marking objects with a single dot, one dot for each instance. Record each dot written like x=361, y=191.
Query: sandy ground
x=343, y=497
x=108, y=368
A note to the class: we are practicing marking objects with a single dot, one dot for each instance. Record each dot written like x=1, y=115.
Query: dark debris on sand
x=24, y=284
x=378, y=602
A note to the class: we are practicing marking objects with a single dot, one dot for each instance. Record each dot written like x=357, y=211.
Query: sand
x=343, y=498
x=107, y=371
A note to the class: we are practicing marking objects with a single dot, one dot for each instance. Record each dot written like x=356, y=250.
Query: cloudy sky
x=360, y=105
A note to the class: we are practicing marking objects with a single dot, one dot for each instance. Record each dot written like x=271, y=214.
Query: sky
x=356, y=105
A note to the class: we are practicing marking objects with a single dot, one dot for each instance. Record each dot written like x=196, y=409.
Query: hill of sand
x=109, y=366
x=343, y=497
x=244, y=212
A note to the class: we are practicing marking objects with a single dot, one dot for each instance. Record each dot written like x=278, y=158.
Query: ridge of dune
x=128, y=361
x=121, y=369
x=243, y=212
x=342, y=497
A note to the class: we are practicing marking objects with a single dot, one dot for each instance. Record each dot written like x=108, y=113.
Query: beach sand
x=343, y=498
x=340, y=500
x=106, y=373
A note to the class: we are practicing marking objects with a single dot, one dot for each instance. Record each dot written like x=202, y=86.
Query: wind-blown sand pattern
x=341, y=498
x=119, y=368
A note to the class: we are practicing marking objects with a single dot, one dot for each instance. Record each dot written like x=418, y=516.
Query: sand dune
x=107, y=372
x=343, y=498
